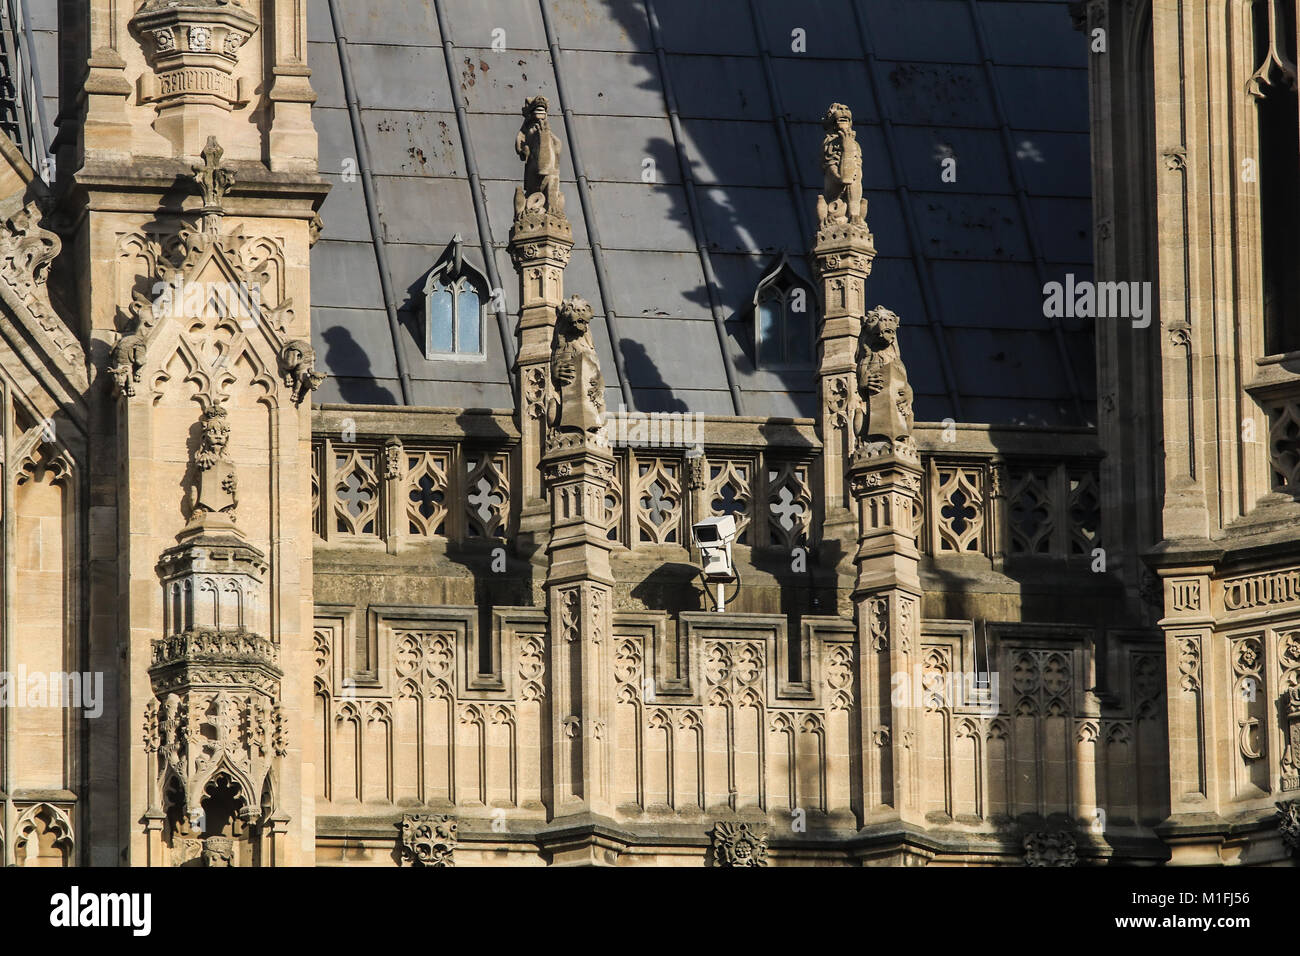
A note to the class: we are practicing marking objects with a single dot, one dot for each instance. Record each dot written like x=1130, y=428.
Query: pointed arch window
x=784, y=319
x=455, y=306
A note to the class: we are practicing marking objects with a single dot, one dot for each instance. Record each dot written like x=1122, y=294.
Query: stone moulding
x=209, y=645
x=27, y=250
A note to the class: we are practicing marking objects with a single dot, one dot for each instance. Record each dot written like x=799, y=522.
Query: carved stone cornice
x=541, y=239
x=210, y=645
x=843, y=247
x=193, y=47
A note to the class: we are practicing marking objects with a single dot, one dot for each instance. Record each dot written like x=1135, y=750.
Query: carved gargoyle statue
x=576, y=407
x=842, y=165
x=27, y=248
x=883, y=419
x=216, y=488
x=298, y=362
x=539, y=148
x=127, y=360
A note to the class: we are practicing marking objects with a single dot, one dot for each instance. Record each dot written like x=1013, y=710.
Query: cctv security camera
x=714, y=536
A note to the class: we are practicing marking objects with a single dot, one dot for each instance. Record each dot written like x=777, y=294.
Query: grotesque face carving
x=536, y=109
x=216, y=430
x=880, y=328
x=576, y=314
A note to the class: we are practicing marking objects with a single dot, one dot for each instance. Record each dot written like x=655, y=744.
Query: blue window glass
x=785, y=325
x=798, y=336
x=770, y=346
x=467, y=319
x=440, y=308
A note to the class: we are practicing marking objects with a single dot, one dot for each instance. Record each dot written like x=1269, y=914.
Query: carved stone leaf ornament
x=1050, y=849
x=1288, y=822
x=739, y=844
x=428, y=839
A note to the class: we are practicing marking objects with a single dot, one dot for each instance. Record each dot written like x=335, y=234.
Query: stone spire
x=870, y=474
x=843, y=253
x=885, y=477
x=541, y=240
x=578, y=469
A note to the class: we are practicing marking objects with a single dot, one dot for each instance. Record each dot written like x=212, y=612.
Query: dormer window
x=784, y=323
x=455, y=296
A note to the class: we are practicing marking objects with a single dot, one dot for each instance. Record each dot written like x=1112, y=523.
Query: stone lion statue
x=883, y=419
x=127, y=360
x=577, y=402
x=217, y=488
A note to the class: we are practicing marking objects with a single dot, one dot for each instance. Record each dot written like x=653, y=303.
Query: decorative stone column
x=541, y=241
x=213, y=615
x=885, y=478
x=217, y=741
x=292, y=134
x=843, y=252
x=578, y=469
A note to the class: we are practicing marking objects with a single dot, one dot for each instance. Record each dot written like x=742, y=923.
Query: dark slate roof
x=29, y=77
x=1001, y=85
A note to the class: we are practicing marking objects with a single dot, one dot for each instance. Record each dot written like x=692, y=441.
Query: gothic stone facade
x=351, y=635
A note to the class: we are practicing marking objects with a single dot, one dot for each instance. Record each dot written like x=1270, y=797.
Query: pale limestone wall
x=41, y=633
x=1182, y=163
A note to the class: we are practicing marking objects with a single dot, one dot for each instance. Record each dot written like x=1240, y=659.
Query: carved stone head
x=575, y=317
x=536, y=108
x=880, y=328
x=219, y=851
x=215, y=423
x=838, y=117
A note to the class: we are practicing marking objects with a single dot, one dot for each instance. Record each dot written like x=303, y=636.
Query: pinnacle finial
x=214, y=180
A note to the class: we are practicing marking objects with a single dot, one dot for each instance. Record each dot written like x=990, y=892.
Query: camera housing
x=714, y=537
